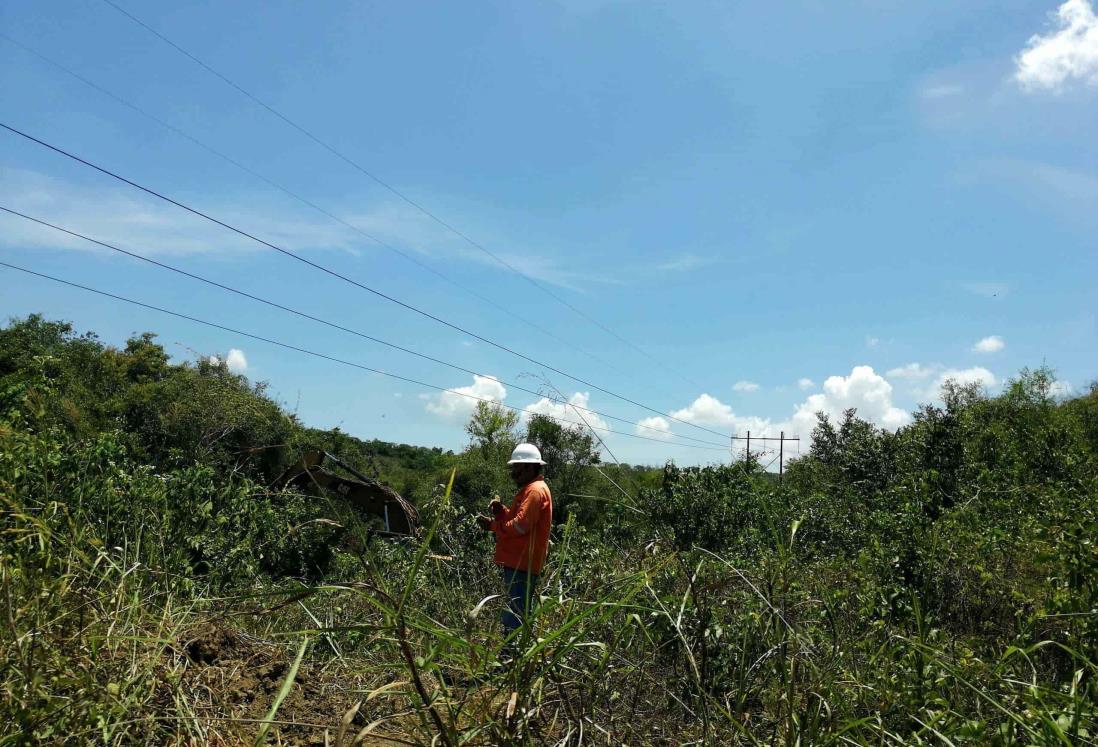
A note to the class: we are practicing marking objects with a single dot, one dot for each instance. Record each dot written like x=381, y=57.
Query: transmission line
x=305, y=201
x=385, y=185
x=334, y=325
x=324, y=356
x=351, y=281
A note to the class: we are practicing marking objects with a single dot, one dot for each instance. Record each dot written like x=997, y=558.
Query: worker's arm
x=521, y=522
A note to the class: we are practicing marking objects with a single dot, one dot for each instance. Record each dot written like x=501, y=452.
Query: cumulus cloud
x=989, y=344
x=710, y=412
x=1068, y=53
x=654, y=427
x=458, y=403
x=235, y=361
x=1059, y=389
x=745, y=386
x=911, y=371
x=964, y=376
x=566, y=412
x=805, y=384
x=706, y=410
x=864, y=390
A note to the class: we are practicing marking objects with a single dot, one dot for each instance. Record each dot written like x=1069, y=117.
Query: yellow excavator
x=308, y=474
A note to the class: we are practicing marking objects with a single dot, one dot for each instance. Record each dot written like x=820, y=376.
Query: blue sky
x=794, y=206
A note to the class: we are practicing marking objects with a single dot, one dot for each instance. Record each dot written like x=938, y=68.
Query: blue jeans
x=522, y=597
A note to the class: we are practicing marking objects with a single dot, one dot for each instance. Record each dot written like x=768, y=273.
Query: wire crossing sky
x=339, y=326
x=323, y=356
x=344, y=278
x=388, y=187
x=798, y=208
x=246, y=169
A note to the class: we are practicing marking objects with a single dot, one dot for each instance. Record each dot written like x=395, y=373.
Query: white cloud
x=1068, y=53
x=745, y=386
x=121, y=216
x=654, y=427
x=710, y=412
x=146, y=226
x=806, y=384
x=864, y=390
x=964, y=376
x=989, y=344
x=236, y=361
x=707, y=410
x=1059, y=389
x=911, y=371
x=562, y=411
x=454, y=404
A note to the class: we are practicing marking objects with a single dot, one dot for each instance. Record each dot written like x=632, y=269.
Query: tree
x=569, y=454
x=492, y=426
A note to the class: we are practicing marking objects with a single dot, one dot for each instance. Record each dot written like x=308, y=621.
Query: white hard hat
x=526, y=454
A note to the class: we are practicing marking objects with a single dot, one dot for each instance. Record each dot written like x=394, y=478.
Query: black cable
x=334, y=325
x=323, y=356
x=382, y=183
x=290, y=193
x=351, y=281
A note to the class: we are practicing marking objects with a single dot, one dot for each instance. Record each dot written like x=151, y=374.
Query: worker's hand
x=484, y=522
x=496, y=506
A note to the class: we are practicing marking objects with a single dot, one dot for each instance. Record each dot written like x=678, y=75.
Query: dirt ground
x=231, y=680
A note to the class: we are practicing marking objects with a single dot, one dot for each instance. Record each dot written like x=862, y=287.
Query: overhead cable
x=334, y=325
x=307, y=202
x=324, y=356
x=385, y=185
x=351, y=281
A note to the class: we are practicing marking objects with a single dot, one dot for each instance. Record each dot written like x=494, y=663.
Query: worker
x=522, y=533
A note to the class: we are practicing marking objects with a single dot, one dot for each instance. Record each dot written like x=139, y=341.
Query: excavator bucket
x=399, y=517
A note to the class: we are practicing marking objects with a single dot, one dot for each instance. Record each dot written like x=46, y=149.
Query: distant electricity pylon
x=781, y=439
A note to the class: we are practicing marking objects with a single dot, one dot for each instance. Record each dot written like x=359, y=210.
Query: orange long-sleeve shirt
x=522, y=530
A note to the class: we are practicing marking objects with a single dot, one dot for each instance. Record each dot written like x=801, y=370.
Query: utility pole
x=781, y=457
x=781, y=439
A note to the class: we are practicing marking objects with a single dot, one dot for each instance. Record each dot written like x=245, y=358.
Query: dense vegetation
x=934, y=585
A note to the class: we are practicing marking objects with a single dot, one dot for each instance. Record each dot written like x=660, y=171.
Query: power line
x=334, y=325
x=382, y=183
x=351, y=281
x=324, y=356
x=305, y=201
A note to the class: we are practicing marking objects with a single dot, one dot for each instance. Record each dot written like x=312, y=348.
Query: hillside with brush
x=937, y=584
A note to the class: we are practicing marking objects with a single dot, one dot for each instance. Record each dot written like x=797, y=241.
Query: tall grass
x=933, y=586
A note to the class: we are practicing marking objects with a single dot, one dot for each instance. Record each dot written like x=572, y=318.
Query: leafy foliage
x=938, y=584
